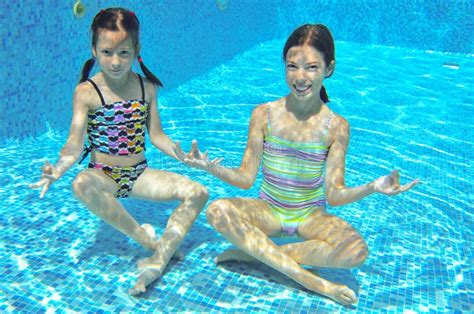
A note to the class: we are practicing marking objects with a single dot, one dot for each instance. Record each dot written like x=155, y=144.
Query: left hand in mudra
x=390, y=184
x=195, y=158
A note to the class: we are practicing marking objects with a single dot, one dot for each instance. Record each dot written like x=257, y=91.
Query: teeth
x=302, y=89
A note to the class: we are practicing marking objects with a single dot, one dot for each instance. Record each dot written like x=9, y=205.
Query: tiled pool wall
x=44, y=46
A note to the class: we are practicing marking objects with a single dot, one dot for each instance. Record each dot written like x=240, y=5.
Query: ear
x=330, y=68
x=94, y=53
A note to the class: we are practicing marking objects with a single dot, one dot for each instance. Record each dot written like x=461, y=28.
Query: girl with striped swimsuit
x=295, y=137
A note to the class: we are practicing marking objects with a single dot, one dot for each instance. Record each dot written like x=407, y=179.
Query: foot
x=342, y=294
x=147, y=276
x=150, y=231
x=150, y=269
x=234, y=256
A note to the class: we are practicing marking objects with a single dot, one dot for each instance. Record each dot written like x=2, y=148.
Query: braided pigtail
x=150, y=76
x=86, y=70
x=324, y=95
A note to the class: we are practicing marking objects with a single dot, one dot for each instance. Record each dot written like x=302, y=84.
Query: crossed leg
x=160, y=186
x=95, y=190
x=331, y=242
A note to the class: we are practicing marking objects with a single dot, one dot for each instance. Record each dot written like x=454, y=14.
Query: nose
x=300, y=77
x=115, y=63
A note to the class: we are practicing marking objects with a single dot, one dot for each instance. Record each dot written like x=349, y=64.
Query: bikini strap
x=142, y=86
x=269, y=125
x=328, y=123
x=98, y=91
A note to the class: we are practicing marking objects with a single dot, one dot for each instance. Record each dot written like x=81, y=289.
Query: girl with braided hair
x=115, y=108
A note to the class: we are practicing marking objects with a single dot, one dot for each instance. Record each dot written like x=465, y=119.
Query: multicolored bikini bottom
x=125, y=177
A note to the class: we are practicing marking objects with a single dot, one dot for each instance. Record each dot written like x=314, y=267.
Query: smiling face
x=115, y=53
x=305, y=71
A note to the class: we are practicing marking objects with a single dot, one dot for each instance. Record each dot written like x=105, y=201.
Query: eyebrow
x=309, y=63
x=119, y=48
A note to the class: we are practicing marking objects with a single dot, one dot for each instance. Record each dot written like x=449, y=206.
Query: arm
x=244, y=176
x=71, y=151
x=157, y=136
x=336, y=191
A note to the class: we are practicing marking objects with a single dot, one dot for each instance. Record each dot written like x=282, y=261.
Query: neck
x=117, y=84
x=303, y=109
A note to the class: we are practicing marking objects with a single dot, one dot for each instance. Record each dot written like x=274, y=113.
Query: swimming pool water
x=409, y=110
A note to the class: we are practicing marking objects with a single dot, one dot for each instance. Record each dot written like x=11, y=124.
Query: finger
x=217, y=161
x=408, y=186
x=194, y=152
x=197, y=152
x=194, y=145
x=37, y=184
x=178, y=150
x=206, y=155
x=45, y=189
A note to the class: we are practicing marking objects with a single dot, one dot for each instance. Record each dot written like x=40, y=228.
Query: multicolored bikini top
x=117, y=128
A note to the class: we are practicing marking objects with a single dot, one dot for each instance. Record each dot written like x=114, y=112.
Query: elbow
x=156, y=142
x=245, y=182
x=156, y=138
x=333, y=199
x=333, y=203
x=246, y=186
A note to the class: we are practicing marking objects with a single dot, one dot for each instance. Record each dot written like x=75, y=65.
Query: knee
x=199, y=194
x=361, y=255
x=218, y=214
x=82, y=185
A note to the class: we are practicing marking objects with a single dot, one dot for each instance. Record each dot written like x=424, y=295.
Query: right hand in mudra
x=49, y=175
x=195, y=158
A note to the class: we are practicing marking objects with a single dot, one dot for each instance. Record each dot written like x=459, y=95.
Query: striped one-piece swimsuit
x=293, y=178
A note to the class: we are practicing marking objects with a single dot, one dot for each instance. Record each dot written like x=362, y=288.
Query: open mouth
x=302, y=90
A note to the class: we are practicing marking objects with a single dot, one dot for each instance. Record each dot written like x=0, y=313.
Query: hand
x=390, y=185
x=178, y=151
x=197, y=159
x=47, y=178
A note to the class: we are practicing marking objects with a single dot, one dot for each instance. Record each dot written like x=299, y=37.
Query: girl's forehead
x=113, y=38
x=304, y=52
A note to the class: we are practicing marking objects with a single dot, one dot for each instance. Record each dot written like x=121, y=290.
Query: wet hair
x=319, y=37
x=115, y=19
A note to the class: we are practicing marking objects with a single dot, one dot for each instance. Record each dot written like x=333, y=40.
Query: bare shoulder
x=260, y=115
x=261, y=111
x=339, y=128
x=339, y=123
x=85, y=95
x=151, y=92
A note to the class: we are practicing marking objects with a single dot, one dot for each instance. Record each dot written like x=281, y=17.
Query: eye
x=106, y=52
x=124, y=53
x=291, y=66
x=313, y=67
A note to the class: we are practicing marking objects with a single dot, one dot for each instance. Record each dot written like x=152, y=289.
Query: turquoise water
x=409, y=110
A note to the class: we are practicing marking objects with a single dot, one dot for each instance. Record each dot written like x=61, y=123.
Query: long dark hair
x=319, y=37
x=115, y=19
